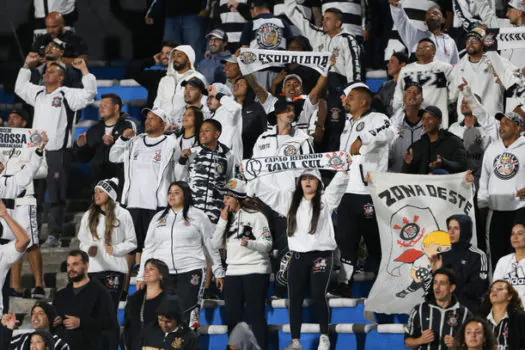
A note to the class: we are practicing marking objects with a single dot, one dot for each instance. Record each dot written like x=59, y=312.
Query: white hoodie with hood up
x=170, y=93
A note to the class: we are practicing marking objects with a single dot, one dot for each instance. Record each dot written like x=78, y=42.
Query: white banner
x=505, y=38
x=411, y=212
x=20, y=138
x=252, y=60
x=255, y=167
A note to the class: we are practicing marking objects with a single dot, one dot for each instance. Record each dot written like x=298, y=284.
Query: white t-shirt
x=145, y=166
x=513, y=271
x=8, y=256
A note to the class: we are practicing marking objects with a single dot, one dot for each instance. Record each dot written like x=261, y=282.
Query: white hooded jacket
x=170, y=93
x=230, y=117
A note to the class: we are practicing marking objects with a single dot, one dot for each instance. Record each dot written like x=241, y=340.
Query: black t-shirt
x=75, y=45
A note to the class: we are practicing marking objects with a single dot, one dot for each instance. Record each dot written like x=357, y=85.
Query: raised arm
x=310, y=31
x=408, y=32
x=117, y=153
x=23, y=87
x=80, y=98
x=317, y=91
x=21, y=237
x=260, y=91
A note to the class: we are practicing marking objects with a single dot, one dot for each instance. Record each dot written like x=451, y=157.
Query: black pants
x=6, y=288
x=499, y=233
x=189, y=287
x=113, y=282
x=141, y=220
x=355, y=218
x=315, y=268
x=58, y=164
x=250, y=289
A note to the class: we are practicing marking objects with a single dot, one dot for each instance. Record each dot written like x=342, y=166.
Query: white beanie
x=109, y=186
x=188, y=50
x=222, y=89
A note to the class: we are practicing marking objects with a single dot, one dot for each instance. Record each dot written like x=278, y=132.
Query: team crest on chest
x=506, y=166
x=156, y=156
x=290, y=150
x=360, y=126
x=269, y=36
x=453, y=319
x=57, y=102
x=177, y=343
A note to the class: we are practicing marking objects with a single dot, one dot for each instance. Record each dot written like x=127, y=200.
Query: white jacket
x=435, y=79
x=513, y=271
x=268, y=145
x=12, y=186
x=502, y=176
x=343, y=45
x=376, y=133
x=123, y=241
x=481, y=80
x=446, y=49
x=122, y=151
x=230, y=117
x=183, y=245
x=253, y=258
x=323, y=239
x=51, y=113
x=14, y=160
x=170, y=93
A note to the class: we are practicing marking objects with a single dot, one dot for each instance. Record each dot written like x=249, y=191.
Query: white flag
x=411, y=213
x=20, y=138
x=252, y=60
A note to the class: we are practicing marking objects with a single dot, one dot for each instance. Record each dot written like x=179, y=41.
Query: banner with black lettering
x=411, y=213
x=504, y=38
x=253, y=60
x=20, y=138
x=255, y=167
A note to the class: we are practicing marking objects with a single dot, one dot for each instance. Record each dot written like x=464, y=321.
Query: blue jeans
x=187, y=30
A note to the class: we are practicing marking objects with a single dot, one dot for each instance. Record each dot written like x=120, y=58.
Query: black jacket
x=135, y=319
x=96, y=152
x=253, y=125
x=149, y=79
x=448, y=146
x=182, y=338
x=469, y=264
x=516, y=333
x=99, y=327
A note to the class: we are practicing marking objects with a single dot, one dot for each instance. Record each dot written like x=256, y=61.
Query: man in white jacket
x=502, y=183
x=55, y=111
x=367, y=136
x=447, y=50
x=228, y=112
x=170, y=94
x=149, y=161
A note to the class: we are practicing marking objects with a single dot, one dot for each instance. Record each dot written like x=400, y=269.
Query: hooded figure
x=173, y=333
x=242, y=338
x=47, y=337
x=170, y=94
x=469, y=264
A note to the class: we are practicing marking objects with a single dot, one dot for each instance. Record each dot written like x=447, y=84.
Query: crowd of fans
x=172, y=206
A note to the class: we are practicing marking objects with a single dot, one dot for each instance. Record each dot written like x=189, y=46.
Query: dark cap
x=21, y=112
x=281, y=105
x=478, y=33
x=196, y=82
x=513, y=116
x=435, y=111
x=414, y=83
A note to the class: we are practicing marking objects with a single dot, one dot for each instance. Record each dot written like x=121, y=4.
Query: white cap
x=517, y=4
x=313, y=172
x=158, y=112
x=222, y=89
x=293, y=76
x=349, y=88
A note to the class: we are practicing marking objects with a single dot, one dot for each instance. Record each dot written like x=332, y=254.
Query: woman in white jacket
x=107, y=234
x=311, y=241
x=180, y=235
x=243, y=231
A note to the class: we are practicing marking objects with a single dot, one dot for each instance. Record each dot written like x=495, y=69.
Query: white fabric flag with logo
x=411, y=213
x=252, y=60
x=20, y=138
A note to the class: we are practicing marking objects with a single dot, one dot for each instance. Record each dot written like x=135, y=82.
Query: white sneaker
x=294, y=345
x=51, y=242
x=324, y=342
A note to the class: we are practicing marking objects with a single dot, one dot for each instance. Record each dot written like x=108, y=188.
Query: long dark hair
x=250, y=205
x=198, y=118
x=188, y=201
x=110, y=217
x=164, y=271
x=488, y=344
x=250, y=93
x=514, y=303
x=296, y=201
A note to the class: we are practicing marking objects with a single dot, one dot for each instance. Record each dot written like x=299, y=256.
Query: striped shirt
x=233, y=20
x=19, y=342
x=442, y=322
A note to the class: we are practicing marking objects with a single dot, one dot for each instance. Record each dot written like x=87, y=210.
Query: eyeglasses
x=473, y=41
